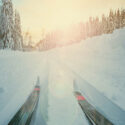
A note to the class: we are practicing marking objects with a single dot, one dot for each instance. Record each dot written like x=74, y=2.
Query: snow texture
x=100, y=61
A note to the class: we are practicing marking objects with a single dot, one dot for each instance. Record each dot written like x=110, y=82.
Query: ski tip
x=79, y=96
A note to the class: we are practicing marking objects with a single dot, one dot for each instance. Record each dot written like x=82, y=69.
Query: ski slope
x=99, y=60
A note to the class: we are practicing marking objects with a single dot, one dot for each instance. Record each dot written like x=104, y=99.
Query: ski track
x=63, y=107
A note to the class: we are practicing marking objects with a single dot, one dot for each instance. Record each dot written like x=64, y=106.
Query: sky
x=39, y=15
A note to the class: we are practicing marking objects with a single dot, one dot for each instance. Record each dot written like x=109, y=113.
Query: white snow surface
x=99, y=60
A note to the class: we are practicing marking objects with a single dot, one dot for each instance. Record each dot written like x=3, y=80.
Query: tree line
x=105, y=25
x=10, y=27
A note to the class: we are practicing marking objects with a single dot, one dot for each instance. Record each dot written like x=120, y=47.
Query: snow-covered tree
x=91, y=26
x=111, y=22
x=17, y=32
x=7, y=24
x=118, y=22
x=123, y=18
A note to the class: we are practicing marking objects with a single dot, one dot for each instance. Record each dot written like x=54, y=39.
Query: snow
x=99, y=61
x=63, y=107
x=18, y=74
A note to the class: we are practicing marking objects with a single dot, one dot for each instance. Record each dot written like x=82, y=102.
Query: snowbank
x=100, y=61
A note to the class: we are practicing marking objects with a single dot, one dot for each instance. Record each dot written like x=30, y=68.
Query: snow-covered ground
x=18, y=74
x=99, y=60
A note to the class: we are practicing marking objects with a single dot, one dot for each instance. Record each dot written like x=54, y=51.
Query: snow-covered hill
x=99, y=60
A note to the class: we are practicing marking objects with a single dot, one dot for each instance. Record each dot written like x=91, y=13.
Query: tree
x=97, y=26
x=18, y=41
x=91, y=27
x=123, y=18
x=7, y=24
x=118, y=25
x=111, y=22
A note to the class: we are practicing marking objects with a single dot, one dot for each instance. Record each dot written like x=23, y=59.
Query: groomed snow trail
x=63, y=107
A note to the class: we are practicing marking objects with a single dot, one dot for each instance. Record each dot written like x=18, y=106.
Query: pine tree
x=87, y=29
x=17, y=32
x=123, y=18
x=7, y=24
x=1, y=35
x=111, y=22
x=118, y=22
x=91, y=26
x=97, y=26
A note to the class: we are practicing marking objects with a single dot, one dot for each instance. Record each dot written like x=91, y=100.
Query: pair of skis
x=26, y=112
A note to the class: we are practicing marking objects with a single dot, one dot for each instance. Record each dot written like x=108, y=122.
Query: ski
x=25, y=113
x=94, y=117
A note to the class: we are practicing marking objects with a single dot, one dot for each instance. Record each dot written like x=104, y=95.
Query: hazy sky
x=52, y=14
